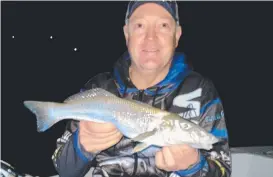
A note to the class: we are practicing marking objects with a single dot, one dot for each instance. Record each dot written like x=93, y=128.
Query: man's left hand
x=177, y=157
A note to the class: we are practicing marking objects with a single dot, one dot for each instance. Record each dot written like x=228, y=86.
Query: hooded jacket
x=183, y=91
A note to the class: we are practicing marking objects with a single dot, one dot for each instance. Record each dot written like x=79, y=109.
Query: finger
x=177, y=152
x=97, y=127
x=184, y=154
x=100, y=140
x=106, y=145
x=159, y=160
x=184, y=149
x=168, y=159
x=96, y=134
x=91, y=145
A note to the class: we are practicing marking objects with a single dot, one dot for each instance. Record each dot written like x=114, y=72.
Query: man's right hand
x=96, y=137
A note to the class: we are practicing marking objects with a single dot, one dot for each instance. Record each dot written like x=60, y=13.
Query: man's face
x=151, y=36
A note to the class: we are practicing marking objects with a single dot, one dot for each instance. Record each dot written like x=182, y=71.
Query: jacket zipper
x=140, y=96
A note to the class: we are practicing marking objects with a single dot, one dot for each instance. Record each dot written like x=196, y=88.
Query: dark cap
x=170, y=5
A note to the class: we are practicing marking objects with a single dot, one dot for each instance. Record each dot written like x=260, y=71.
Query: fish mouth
x=209, y=140
x=214, y=139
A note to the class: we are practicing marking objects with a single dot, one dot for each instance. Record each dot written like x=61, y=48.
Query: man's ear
x=126, y=33
x=178, y=34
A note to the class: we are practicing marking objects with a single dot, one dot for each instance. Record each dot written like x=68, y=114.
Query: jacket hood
x=178, y=71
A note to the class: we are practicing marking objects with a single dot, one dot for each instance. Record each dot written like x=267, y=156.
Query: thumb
x=85, y=126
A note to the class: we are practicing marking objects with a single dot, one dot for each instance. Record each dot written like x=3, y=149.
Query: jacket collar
x=178, y=71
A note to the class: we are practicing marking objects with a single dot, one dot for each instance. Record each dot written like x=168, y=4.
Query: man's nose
x=151, y=34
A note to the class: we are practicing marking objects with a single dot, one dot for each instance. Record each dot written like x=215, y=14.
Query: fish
x=138, y=121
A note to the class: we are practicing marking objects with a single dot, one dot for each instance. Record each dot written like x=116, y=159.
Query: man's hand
x=174, y=158
x=98, y=136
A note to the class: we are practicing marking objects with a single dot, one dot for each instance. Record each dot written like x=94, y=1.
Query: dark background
x=230, y=42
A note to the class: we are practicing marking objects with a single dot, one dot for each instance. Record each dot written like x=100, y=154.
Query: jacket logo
x=65, y=137
x=185, y=101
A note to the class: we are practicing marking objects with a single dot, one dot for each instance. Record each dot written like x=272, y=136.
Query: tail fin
x=44, y=113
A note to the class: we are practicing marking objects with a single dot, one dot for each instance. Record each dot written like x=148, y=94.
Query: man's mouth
x=152, y=50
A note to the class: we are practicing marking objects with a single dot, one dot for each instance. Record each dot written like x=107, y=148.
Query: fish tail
x=44, y=112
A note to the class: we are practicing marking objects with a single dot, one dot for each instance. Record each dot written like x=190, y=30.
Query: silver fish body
x=138, y=121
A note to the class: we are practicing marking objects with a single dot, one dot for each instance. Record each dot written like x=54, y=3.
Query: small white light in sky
x=13, y=37
x=51, y=37
x=75, y=49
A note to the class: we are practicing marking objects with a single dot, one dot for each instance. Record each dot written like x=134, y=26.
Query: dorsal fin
x=87, y=94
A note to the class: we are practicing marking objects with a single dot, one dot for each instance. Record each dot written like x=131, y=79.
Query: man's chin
x=150, y=67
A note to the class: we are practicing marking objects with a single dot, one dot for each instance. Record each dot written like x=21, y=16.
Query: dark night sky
x=230, y=42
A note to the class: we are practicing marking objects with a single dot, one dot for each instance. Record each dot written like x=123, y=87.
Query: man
x=152, y=72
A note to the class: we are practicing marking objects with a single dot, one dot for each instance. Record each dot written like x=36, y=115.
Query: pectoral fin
x=141, y=146
x=143, y=136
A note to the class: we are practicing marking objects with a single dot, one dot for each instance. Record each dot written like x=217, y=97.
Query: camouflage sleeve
x=217, y=161
x=70, y=158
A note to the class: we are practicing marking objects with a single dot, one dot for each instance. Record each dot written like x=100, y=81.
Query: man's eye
x=139, y=25
x=165, y=25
